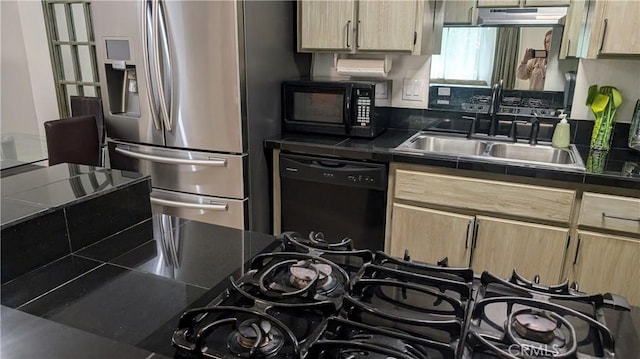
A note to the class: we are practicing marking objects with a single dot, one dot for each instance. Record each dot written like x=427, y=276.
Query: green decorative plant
x=603, y=103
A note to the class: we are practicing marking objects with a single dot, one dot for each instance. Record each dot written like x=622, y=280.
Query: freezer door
x=201, y=41
x=195, y=172
x=220, y=211
x=129, y=89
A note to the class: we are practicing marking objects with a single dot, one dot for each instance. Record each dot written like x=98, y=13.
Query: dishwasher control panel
x=334, y=171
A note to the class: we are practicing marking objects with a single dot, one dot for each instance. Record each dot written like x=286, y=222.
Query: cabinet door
x=574, y=24
x=619, y=28
x=502, y=245
x=458, y=12
x=606, y=263
x=431, y=235
x=326, y=25
x=498, y=3
x=387, y=25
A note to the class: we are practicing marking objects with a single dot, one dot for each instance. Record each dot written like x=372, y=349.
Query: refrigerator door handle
x=146, y=63
x=168, y=51
x=212, y=162
x=156, y=55
x=213, y=206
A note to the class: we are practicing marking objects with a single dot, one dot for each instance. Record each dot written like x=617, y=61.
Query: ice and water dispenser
x=121, y=78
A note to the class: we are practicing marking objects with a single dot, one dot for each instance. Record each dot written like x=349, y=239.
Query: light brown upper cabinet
x=373, y=26
x=575, y=22
x=326, y=25
x=518, y=3
x=498, y=3
x=614, y=29
x=459, y=12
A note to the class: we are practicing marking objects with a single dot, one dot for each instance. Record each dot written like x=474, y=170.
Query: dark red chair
x=73, y=140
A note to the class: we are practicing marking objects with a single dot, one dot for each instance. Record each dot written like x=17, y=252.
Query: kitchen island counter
x=126, y=301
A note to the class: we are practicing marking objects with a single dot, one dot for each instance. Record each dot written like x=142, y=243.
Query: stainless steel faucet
x=535, y=128
x=496, y=99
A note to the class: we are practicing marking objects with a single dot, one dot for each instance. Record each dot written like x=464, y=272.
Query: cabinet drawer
x=514, y=199
x=610, y=212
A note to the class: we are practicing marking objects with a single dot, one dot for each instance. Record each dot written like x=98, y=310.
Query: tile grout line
x=59, y=286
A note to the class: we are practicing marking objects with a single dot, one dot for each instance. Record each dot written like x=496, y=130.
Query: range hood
x=530, y=16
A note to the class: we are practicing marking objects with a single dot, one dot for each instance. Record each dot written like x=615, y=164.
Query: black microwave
x=333, y=107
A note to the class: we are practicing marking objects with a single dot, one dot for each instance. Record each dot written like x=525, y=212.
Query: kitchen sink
x=540, y=154
x=445, y=145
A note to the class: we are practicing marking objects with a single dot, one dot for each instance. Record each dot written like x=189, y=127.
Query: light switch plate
x=412, y=90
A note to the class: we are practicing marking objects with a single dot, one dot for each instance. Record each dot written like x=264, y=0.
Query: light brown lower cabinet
x=431, y=235
x=608, y=263
x=531, y=249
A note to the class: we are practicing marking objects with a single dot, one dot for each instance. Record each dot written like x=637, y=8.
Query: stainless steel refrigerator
x=190, y=90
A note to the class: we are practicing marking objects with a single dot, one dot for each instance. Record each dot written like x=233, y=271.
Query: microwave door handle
x=147, y=27
x=348, y=119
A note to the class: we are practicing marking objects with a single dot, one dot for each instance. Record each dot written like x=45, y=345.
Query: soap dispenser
x=561, y=134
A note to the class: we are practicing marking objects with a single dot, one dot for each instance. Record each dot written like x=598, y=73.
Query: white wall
x=17, y=107
x=624, y=74
x=403, y=66
x=27, y=96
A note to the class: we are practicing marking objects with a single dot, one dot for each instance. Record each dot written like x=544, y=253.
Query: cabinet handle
x=470, y=15
x=568, y=47
x=575, y=259
x=348, y=28
x=466, y=239
x=358, y=35
x=474, y=242
x=604, y=33
x=604, y=215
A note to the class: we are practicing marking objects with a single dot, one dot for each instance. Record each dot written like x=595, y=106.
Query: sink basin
x=524, y=152
x=539, y=155
x=443, y=144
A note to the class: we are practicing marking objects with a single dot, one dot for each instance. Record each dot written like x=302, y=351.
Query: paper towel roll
x=361, y=67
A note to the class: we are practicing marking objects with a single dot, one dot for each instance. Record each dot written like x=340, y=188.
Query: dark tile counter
x=126, y=295
x=53, y=211
x=619, y=167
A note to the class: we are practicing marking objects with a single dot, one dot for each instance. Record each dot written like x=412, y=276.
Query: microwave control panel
x=363, y=106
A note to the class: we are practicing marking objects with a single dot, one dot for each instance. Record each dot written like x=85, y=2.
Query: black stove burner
x=346, y=339
x=536, y=326
x=320, y=300
x=293, y=280
x=421, y=305
x=306, y=272
x=255, y=338
x=224, y=331
x=341, y=253
x=442, y=270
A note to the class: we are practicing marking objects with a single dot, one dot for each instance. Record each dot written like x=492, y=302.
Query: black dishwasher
x=340, y=198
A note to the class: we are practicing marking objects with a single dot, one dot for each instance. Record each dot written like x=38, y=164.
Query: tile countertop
x=40, y=191
x=123, y=301
x=621, y=167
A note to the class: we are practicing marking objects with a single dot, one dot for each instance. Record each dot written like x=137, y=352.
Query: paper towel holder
x=386, y=67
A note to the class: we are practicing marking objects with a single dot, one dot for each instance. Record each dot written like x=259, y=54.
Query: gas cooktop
x=318, y=299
